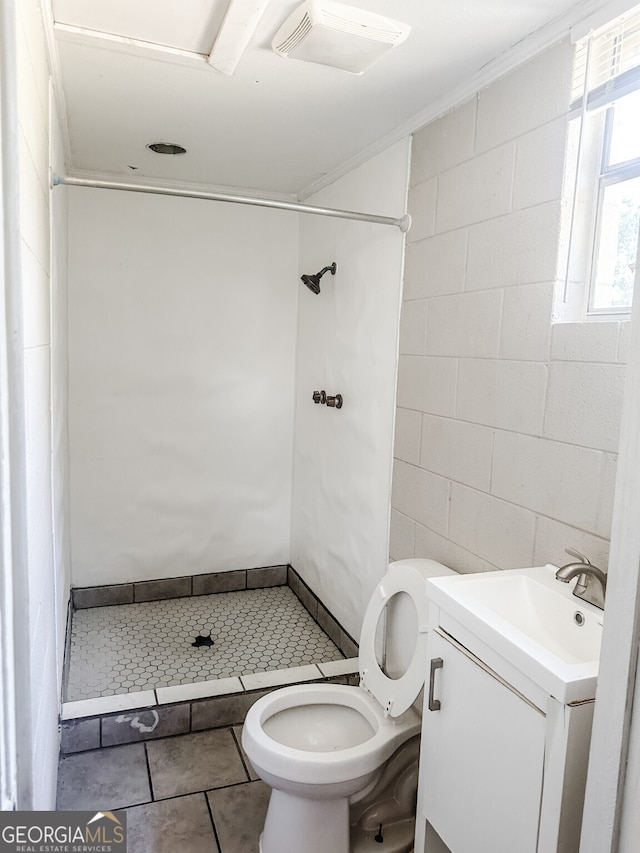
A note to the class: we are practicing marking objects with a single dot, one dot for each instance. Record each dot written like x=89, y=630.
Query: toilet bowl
x=323, y=747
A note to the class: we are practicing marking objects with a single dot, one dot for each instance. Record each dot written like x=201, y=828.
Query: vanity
x=508, y=707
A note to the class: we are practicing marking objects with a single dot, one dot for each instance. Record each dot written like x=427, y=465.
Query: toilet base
x=397, y=838
x=295, y=824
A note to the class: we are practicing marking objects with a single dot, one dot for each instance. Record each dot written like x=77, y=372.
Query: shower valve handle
x=319, y=397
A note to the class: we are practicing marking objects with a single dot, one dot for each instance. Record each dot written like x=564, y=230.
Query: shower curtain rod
x=402, y=222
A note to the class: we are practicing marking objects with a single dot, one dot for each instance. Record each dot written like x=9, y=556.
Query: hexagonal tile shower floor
x=131, y=647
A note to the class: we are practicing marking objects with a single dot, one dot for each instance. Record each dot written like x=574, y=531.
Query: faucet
x=591, y=585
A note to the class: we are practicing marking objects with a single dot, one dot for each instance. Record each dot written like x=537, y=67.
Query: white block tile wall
x=421, y=495
x=407, y=437
x=498, y=531
x=403, y=533
x=413, y=327
x=436, y=266
x=584, y=403
x=507, y=425
x=457, y=450
x=526, y=99
x=444, y=143
x=595, y=342
x=538, y=169
x=520, y=248
x=427, y=384
x=608, y=482
x=508, y=394
x=422, y=199
x=465, y=324
x=526, y=331
x=550, y=477
x=552, y=537
x=484, y=182
x=447, y=552
x=623, y=342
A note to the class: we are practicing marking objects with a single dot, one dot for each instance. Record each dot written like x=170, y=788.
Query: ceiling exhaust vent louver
x=333, y=34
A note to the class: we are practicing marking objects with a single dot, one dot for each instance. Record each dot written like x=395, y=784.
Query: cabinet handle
x=436, y=663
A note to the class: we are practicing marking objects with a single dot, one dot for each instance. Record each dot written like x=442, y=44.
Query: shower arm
x=402, y=222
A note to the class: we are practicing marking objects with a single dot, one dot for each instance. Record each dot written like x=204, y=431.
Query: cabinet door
x=482, y=758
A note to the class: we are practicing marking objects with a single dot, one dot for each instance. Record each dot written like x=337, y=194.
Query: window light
x=606, y=206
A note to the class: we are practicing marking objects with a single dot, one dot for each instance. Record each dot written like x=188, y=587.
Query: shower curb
x=143, y=716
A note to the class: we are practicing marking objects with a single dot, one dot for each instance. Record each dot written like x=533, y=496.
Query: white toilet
x=323, y=747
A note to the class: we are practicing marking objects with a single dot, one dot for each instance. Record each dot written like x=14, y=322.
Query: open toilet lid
x=395, y=695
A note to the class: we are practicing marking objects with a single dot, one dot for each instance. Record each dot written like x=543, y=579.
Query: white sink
x=532, y=620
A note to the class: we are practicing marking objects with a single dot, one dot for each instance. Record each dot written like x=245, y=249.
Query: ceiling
x=135, y=72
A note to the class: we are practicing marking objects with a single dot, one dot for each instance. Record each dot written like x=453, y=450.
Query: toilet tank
x=399, y=635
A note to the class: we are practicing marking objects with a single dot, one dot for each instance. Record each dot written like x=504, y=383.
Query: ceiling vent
x=334, y=34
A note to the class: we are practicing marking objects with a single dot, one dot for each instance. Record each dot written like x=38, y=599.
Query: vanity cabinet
x=503, y=765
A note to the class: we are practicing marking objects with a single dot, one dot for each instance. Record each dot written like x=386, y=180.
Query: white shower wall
x=347, y=344
x=44, y=574
x=182, y=329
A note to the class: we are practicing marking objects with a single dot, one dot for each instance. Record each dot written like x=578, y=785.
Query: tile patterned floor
x=131, y=647
x=195, y=793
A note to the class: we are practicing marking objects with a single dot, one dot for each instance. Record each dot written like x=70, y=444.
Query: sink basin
x=534, y=621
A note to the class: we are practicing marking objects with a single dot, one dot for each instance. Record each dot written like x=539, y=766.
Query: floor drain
x=203, y=641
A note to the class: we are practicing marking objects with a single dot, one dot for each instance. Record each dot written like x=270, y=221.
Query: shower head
x=313, y=281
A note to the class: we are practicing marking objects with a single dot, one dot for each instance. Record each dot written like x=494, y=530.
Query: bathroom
x=518, y=474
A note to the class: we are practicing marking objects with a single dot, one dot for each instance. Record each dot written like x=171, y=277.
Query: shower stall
x=194, y=443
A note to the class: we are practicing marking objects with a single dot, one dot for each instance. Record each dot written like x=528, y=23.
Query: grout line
x=191, y=794
x=238, y=747
x=146, y=758
x=176, y=797
x=213, y=823
x=232, y=785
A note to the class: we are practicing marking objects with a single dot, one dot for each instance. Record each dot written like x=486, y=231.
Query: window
x=618, y=209
x=606, y=213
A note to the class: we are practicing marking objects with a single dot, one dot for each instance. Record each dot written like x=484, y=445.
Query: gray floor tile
x=219, y=582
x=180, y=825
x=239, y=814
x=78, y=735
x=103, y=596
x=223, y=710
x=104, y=780
x=195, y=762
x=270, y=576
x=156, y=590
x=145, y=725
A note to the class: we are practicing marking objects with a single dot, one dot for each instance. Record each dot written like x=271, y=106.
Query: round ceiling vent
x=167, y=148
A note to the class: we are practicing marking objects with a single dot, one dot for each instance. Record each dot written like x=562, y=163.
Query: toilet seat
x=395, y=695
x=329, y=766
